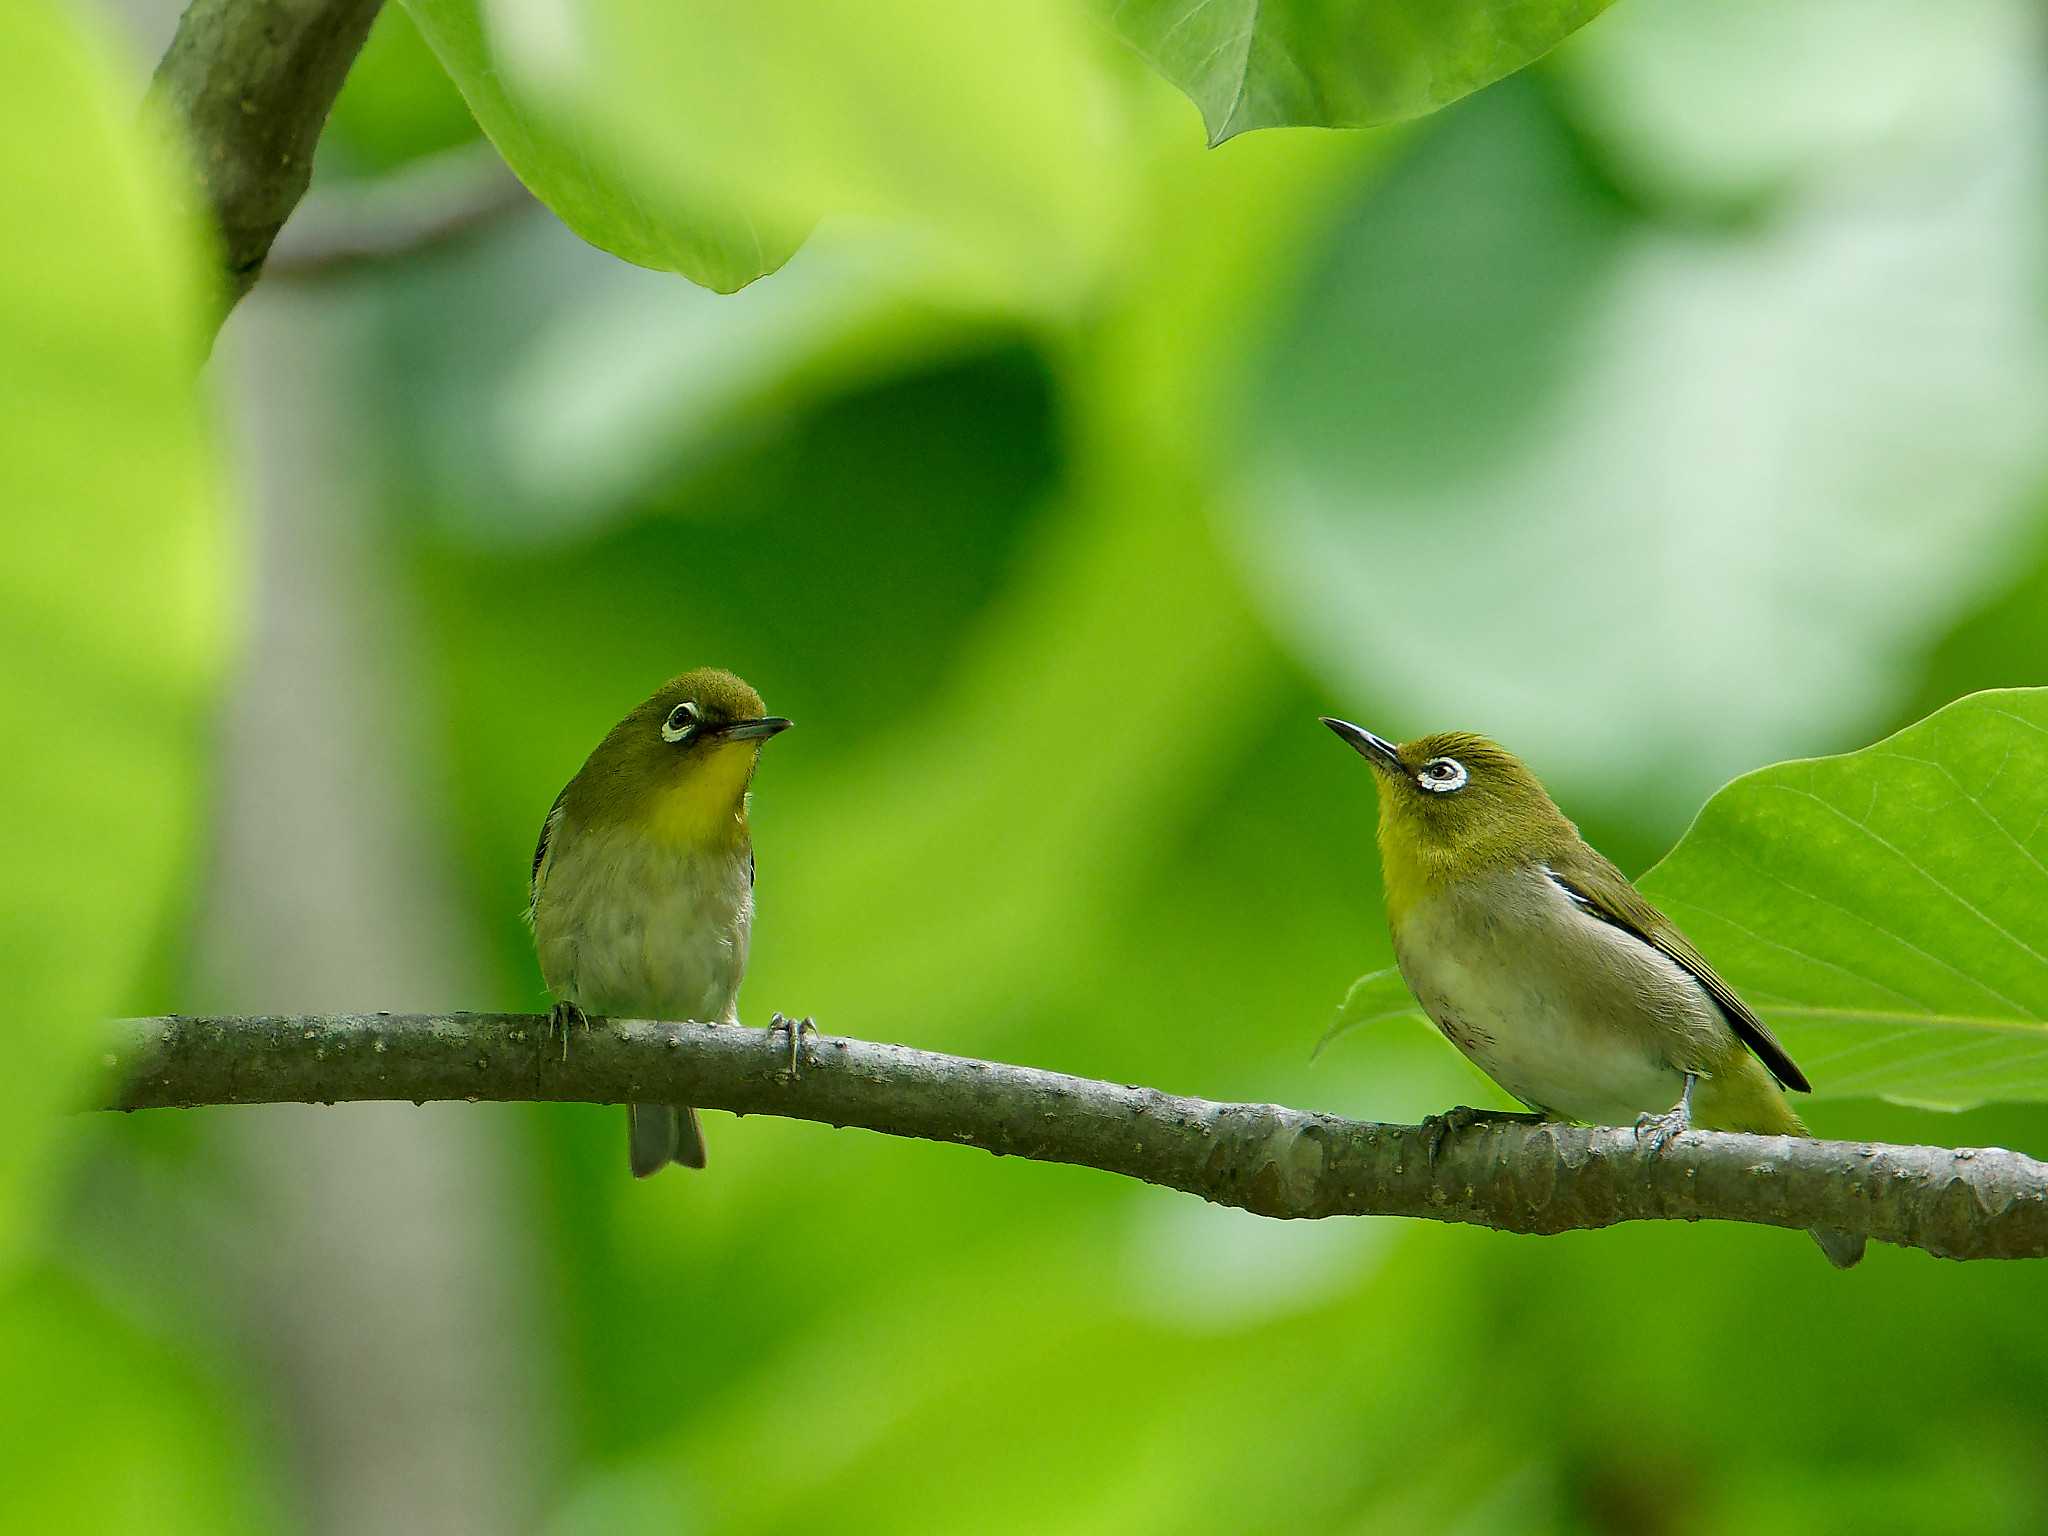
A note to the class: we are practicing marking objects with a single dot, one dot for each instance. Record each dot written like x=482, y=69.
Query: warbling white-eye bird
x=1542, y=963
x=643, y=883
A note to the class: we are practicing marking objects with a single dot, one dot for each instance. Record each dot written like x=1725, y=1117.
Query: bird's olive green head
x=1453, y=804
x=682, y=760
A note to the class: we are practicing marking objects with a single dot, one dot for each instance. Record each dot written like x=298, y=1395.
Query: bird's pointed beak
x=1376, y=750
x=754, y=730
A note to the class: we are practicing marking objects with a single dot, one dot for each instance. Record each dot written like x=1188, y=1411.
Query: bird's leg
x=1438, y=1128
x=562, y=1018
x=1675, y=1121
x=797, y=1028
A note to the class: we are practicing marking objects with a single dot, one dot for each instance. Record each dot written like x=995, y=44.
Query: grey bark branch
x=1965, y=1203
x=431, y=203
x=251, y=82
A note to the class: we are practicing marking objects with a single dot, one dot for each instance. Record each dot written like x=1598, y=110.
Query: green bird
x=643, y=882
x=1536, y=958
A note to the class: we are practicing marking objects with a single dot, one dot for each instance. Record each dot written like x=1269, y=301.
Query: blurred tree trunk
x=392, y=1280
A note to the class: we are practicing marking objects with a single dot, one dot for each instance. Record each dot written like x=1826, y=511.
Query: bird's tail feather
x=660, y=1134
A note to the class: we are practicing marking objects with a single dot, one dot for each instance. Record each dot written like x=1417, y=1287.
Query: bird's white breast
x=1568, y=1013
x=627, y=924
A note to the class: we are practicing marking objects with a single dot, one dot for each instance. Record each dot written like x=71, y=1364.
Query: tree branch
x=428, y=204
x=252, y=82
x=1961, y=1204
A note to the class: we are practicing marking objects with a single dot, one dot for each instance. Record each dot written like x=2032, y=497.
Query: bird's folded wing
x=1600, y=888
x=539, y=877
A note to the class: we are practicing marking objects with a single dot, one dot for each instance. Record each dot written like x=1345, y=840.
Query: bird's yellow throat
x=707, y=806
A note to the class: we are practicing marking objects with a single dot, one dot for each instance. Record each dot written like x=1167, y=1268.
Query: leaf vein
x=1924, y=873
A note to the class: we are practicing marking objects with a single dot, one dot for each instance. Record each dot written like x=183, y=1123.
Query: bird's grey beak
x=754, y=730
x=1376, y=750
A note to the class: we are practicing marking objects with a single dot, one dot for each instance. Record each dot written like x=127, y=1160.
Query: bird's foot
x=797, y=1028
x=1658, y=1130
x=1439, y=1128
x=562, y=1018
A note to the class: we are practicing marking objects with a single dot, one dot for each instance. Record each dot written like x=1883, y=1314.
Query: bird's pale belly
x=625, y=927
x=1603, y=1036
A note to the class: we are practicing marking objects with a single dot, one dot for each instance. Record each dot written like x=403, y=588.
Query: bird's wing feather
x=539, y=877
x=1605, y=891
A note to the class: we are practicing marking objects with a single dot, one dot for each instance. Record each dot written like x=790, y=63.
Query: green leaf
x=106, y=1425
x=1887, y=911
x=397, y=105
x=1338, y=63
x=109, y=567
x=976, y=143
x=110, y=562
x=614, y=203
x=1374, y=998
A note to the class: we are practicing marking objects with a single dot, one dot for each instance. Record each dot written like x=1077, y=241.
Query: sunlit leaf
x=615, y=204
x=103, y=1427
x=1338, y=63
x=979, y=141
x=1887, y=911
x=109, y=556
x=109, y=564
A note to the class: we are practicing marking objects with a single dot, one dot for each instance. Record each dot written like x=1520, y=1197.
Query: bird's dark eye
x=1442, y=775
x=680, y=722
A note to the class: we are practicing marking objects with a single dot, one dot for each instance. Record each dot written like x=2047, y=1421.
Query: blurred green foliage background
x=1667, y=409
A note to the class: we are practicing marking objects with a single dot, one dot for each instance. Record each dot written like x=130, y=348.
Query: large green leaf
x=109, y=568
x=1887, y=910
x=109, y=565
x=1338, y=63
x=106, y=1425
x=978, y=144
x=613, y=203
x=706, y=139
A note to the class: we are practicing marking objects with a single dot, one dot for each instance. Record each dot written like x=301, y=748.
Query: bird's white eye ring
x=1442, y=775
x=680, y=722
